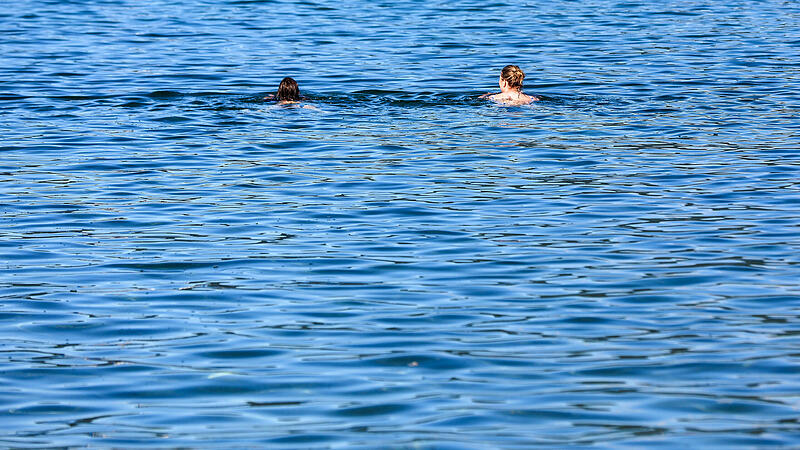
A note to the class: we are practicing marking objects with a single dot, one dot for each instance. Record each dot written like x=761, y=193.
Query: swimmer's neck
x=511, y=92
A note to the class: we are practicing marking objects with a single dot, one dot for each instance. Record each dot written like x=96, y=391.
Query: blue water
x=406, y=266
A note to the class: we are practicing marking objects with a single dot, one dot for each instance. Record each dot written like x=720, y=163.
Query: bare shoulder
x=490, y=95
x=527, y=99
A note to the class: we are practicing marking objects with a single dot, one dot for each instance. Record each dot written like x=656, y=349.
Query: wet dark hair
x=288, y=91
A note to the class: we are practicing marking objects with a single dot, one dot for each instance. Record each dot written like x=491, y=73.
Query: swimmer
x=288, y=92
x=511, y=88
x=289, y=95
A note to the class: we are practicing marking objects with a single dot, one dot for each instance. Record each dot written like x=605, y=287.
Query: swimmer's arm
x=269, y=97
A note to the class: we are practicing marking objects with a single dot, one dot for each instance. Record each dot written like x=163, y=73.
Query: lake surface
x=406, y=266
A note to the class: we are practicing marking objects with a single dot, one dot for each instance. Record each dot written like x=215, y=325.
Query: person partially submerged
x=288, y=92
x=511, y=88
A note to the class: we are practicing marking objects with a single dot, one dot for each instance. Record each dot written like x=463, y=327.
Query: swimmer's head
x=288, y=91
x=513, y=76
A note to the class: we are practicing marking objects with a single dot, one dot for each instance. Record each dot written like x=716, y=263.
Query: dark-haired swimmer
x=288, y=92
x=511, y=88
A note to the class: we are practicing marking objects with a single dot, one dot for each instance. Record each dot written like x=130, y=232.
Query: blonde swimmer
x=511, y=88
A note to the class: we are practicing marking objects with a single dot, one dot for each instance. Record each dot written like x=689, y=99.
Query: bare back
x=515, y=98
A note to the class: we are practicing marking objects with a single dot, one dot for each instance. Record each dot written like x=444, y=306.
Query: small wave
x=221, y=101
x=164, y=95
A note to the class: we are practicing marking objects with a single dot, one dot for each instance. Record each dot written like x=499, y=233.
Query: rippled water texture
x=184, y=265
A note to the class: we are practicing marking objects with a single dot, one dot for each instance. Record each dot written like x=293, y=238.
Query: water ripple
x=185, y=264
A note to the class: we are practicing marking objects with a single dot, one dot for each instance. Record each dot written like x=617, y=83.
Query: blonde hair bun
x=513, y=75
